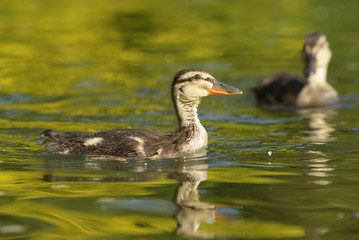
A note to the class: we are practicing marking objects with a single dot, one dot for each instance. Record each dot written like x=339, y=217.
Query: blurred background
x=95, y=65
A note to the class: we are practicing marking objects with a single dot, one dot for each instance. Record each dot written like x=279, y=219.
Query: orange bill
x=220, y=88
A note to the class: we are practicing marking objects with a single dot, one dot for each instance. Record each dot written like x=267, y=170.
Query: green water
x=96, y=65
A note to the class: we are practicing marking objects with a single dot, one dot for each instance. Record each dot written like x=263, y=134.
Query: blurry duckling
x=310, y=90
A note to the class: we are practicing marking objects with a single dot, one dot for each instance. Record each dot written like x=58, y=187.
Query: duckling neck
x=318, y=92
x=192, y=134
x=187, y=112
x=320, y=76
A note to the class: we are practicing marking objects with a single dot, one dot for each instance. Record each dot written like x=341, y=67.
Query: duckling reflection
x=319, y=133
x=320, y=169
x=189, y=171
x=319, y=129
x=191, y=210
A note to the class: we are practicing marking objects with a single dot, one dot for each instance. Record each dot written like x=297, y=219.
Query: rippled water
x=95, y=65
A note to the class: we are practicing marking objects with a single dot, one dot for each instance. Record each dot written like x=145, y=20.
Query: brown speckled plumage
x=188, y=87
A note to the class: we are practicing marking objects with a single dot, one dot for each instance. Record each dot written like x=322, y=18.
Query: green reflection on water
x=94, y=65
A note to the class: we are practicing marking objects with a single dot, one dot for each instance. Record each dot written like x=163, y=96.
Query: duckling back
x=281, y=89
x=119, y=142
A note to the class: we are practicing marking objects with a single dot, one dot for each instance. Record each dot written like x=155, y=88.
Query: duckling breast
x=317, y=96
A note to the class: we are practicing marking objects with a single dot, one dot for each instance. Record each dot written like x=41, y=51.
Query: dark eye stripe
x=193, y=79
x=183, y=80
x=197, y=76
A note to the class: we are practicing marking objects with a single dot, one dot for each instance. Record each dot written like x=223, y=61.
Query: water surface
x=96, y=65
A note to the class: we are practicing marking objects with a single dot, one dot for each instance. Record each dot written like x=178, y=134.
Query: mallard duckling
x=188, y=87
x=311, y=90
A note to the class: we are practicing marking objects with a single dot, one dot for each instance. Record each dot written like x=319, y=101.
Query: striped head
x=316, y=53
x=194, y=84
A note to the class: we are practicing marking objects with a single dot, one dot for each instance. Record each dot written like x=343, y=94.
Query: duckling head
x=194, y=84
x=316, y=53
x=190, y=85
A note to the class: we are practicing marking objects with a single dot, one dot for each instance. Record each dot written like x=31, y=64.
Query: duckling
x=188, y=88
x=310, y=90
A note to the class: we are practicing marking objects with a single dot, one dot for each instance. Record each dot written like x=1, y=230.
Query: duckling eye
x=197, y=76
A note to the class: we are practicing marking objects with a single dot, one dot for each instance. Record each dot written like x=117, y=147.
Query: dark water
x=95, y=65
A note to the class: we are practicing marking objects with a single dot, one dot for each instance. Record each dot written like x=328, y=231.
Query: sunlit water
x=95, y=65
